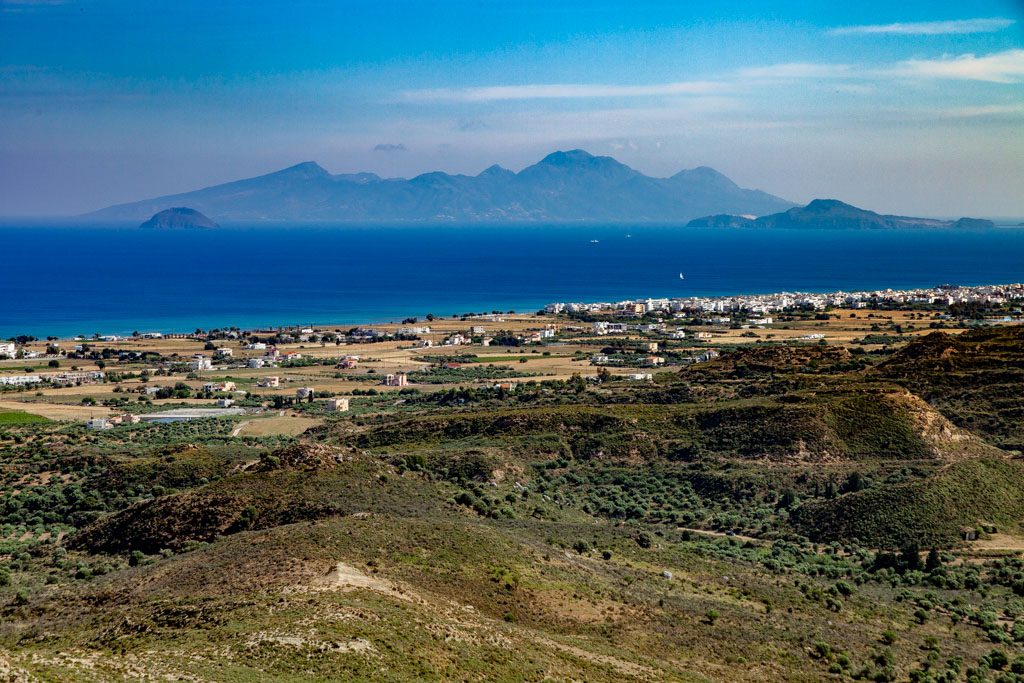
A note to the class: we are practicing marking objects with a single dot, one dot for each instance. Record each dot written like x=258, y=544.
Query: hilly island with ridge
x=563, y=186
x=569, y=186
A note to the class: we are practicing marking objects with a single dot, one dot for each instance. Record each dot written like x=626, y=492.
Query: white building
x=224, y=351
x=199, y=362
x=303, y=393
x=20, y=380
x=412, y=331
x=99, y=423
x=8, y=349
x=269, y=382
x=640, y=376
x=66, y=379
x=255, y=363
x=398, y=380
x=337, y=405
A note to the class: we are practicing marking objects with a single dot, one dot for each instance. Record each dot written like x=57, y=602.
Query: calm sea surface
x=82, y=280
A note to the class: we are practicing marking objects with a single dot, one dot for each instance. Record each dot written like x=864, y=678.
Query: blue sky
x=913, y=107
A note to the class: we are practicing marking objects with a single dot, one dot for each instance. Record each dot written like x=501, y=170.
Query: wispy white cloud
x=1001, y=67
x=623, y=144
x=984, y=110
x=561, y=91
x=929, y=28
x=797, y=70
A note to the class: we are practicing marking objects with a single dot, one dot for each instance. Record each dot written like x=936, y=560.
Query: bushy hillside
x=763, y=516
x=932, y=512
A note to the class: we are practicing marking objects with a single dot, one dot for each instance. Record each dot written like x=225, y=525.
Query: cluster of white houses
x=272, y=356
x=654, y=361
x=766, y=303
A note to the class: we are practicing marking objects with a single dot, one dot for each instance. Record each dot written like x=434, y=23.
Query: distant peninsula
x=832, y=213
x=179, y=218
x=567, y=186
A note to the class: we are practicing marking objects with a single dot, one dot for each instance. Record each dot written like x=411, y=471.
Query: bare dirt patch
x=347, y=577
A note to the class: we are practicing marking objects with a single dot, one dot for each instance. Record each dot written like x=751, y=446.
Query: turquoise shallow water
x=66, y=280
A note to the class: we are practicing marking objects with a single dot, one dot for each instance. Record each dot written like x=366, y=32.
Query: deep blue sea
x=63, y=281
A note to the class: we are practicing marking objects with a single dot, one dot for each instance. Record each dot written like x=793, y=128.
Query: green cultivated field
x=18, y=417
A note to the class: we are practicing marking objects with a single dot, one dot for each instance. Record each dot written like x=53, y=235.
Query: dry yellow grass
x=56, y=411
x=287, y=424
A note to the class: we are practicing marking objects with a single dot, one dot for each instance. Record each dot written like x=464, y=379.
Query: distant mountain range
x=563, y=186
x=832, y=213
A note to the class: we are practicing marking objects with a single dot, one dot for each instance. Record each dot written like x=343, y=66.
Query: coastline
x=750, y=303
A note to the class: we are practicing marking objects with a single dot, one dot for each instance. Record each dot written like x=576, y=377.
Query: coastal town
x=287, y=379
x=946, y=295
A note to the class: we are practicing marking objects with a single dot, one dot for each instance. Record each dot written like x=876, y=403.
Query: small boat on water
x=681, y=276
x=593, y=241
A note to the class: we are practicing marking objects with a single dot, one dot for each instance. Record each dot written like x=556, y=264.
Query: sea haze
x=64, y=280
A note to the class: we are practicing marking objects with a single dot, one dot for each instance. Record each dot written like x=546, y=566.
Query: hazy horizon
x=915, y=109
